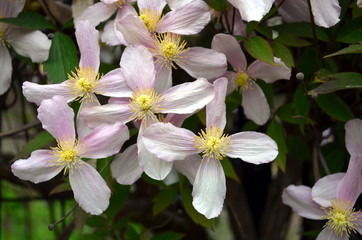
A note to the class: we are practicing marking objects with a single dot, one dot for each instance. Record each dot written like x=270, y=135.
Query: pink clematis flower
x=171, y=143
x=85, y=81
x=254, y=102
x=325, y=201
x=252, y=10
x=28, y=43
x=89, y=188
x=144, y=99
x=325, y=12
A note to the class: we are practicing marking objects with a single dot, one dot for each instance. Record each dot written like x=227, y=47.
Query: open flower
x=254, y=102
x=28, y=43
x=252, y=10
x=324, y=202
x=90, y=190
x=171, y=143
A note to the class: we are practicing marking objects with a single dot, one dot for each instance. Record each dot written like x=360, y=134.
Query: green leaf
x=339, y=81
x=62, y=59
x=197, y=217
x=276, y=132
x=302, y=30
x=167, y=236
x=298, y=148
x=259, y=49
x=355, y=48
x=292, y=40
x=39, y=141
x=282, y=52
x=117, y=200
x=301, y=107
x=163, y=199
x=351, y=32
x=229, y=169
x=334, y=106
x=218, y=5
x=30, y=20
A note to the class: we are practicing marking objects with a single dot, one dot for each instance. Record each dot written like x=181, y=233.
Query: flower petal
x=294, y=11
x=6, y=70
x=209, y=188
x=168, y=142
x=125, y=167
x=10, y=8
x=327, y=234
x=190, y=19
x=154, y=5
x=96, y=13
x=37, y=168
x=216, y=109
x=253, y=147
x=87, y=39
x=137, y=67
x=354, y=137
x=189, y=166
x=105, y=140
x=187, y=97
x=30, y=43
x=82, y=128
x=203, y=62
x=111, y=36
x=36, y=93
x=326, y=12
x=255, y=105
x=267, y=72
x=239, y=27
x=228, y=45
x=163, y=79
x=325, y=189
x=252, y=10
x=90, y=190
x=113, y=85
x=57, y=118
x=176, y=119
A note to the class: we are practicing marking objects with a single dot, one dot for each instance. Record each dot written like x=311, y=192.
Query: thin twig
x=23, y=128
x=51, y=226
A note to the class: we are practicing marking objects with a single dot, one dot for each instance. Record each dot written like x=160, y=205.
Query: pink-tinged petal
x=325, y=189
x=37, y=168
x=30, y=43
x=82, y=128
x=96, y=13
x=163, y=79
x=216, y=109
x=253, y=147
x=10, y=8
x=190, y=19
x=189, y=166
x=57, y=118
x=90, y=190
x=299, y=198
x=203, y=62
x=209, y=188
x=105, y=140
x=113, y=85
x=168, y=142
x=294, y=11
x=267, y=72
x=239, y=28
x=359, y=222
x=228, y=45
x=107, y=114
x=176, y=4
x=154, y=5
x=350, y=187
x=326, y=12
x=176, y=119
x=137, y=67
x=232, y=86
x=255, y=105
x=36, y=93
x=87, y=39
x=354, y=137
x=125, y=167
x=134, y=31
x=187, y=97
x=252, y=10
x=6, y=69
x=153, y=166
x=327, y=234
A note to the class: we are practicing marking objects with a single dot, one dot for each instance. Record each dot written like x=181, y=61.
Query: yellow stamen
x=150, y=18
x=213, y=143
x=84, y=83
x=243, y=80
x=117, y=4
x=342, y=218
x=169, y=49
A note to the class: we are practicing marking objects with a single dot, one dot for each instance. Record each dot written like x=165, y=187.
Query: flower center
x=213, y=143
x=66, y=154
x=4, y=35
x=84, y=83
x=243, y=80
x=144, y=103
x=169, y=49
x=342, y=218
x=150, y=18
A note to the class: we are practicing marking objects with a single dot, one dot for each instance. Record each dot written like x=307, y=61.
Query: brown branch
x=22, y=129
